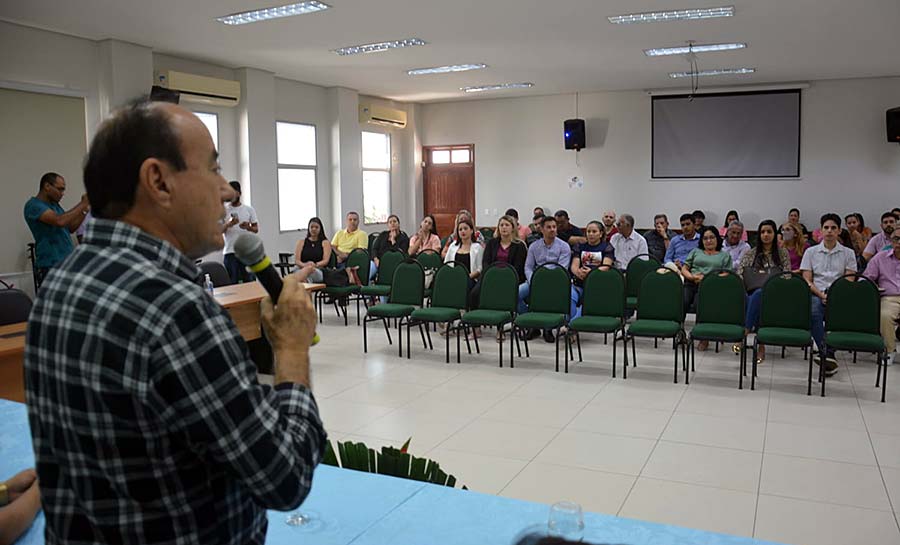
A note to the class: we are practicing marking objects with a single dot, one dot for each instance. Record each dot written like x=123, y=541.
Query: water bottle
x=208, y=286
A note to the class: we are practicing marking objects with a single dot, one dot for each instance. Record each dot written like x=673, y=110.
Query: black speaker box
x=573, y=133
x=893, y=125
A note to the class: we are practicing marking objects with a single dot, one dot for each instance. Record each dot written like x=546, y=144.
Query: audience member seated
x=350, y=238
x=504, y=247
x=20, y=501
x=859, y=233
x=794, y=242
x=699, y=263
x=730, y=217
x=391, y=240
x=823, y=264
x=566, y=231
x=549, y=249
x=476, y=236
x=537, y=216
x=681, y=245
x=699, y=219
x=755, y=267
x=609, y=223
x=794, y=217
x=627, y=243
x=465, y=251
x=313, y=250
x=426, y=238
x=658, y=239
x=881, y=241
x=522, y=230
x=734, y=244
x=884, y=270
x=596, y=253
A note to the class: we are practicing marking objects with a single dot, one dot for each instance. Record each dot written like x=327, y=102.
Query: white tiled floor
x=770, y=463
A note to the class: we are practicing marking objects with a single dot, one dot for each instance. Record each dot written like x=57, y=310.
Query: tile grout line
x=762, y=459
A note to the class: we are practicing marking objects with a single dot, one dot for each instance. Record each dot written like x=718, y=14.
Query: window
x=459, y=156
x=440, y=156
x=295, y=146
x=212, y=125
x=448, y=156
x=376, y=163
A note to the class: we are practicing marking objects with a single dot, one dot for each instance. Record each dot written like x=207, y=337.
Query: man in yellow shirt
x=347, y=240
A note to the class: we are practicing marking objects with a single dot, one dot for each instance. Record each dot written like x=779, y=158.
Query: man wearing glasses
x=884, y=270
x=51, y=225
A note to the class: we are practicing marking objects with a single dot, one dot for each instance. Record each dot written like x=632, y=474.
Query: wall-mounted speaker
x=573, y=133
x=893, y=125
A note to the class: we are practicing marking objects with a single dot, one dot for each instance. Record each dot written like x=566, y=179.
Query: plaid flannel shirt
x=148, y=423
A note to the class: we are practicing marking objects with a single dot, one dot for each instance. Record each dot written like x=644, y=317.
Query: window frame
x=388, y=170
x=290, y=166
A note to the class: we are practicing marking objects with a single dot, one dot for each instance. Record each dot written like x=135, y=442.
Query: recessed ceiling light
x=277, y=12
x=380, y=46
x=673, y=15
x=446, y=69
x=496, y=87
x=713, y=72
x=696, y=48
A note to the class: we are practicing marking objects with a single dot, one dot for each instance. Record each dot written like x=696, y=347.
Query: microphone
x=248, y=248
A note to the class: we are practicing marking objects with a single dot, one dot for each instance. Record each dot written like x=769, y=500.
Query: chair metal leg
x=466, y=333
x=717, y=348
x=516, y=337
x=878, y=371
x=357, y=311
x=400, y=339
x=365, y=339
x=743, y=364
x=633, y=352
x=565, y=347
x=884, y=383
x=428, y=334
x=782, y=354
x=854, y=356
x=578, y=341
x=501, y=348
x=447, y=339
x=460, y=326
x=614, y=353
x=387, y=330
x=604, y=338
x=655, y=343
x=753, y=365
x=822, y=369
x=557, y=351
x=513, y=339
x=475, y=338
x=675, y=350
x=527, y=354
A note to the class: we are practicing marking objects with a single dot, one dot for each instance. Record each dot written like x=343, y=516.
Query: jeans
x=754, y=302
x=817, y=323
x=236, y=270
x=574, y=307
x=524, y=292
x=691, y=291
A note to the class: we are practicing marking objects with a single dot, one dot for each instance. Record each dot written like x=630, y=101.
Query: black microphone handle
x=271, y=281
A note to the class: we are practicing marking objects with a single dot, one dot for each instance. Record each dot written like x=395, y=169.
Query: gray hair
x=629, y=218
x=737, y=223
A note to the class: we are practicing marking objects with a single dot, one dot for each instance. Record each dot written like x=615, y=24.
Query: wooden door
x=449, y=183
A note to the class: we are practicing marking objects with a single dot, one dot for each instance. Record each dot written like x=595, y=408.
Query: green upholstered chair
x=602, y=308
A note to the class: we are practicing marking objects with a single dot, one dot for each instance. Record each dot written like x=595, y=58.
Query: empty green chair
x=496, y=305
x=342, y=295
x=447, y=302
x=659, y=313
x=407, y=292
x=549, y=305
x=720, y=316
x=852, y=322
x=637, y=268
x=602, y=308
x=386, y=266
x=784, y=318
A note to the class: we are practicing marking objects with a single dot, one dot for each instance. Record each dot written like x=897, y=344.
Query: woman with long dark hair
x=764, y=260
x=393, y=239
x=426, y=238
x=315, y=249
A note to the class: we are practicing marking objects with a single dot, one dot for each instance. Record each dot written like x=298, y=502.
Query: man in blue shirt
x=681, y=245
x=548, y=250
x=50, y=225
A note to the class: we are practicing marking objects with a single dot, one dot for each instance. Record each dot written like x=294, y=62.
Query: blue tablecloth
x=364, y=509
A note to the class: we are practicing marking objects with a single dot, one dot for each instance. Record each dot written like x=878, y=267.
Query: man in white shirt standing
x=627, y=243
x=241, y=217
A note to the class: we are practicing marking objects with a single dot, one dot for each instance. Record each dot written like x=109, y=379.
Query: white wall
x=847, y=164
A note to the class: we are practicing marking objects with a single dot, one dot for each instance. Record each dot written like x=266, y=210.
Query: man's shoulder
x=35, y=206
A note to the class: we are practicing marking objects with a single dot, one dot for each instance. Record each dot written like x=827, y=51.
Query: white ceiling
x=560, y=45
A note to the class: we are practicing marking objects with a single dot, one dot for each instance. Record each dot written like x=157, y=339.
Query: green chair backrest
x=785, y=302
x=487, y=233
x=386, y=266
x=332, y=261
x=429, y=259
x=661, y=296
x=853, y=306
x=499, y=289
x=637, y=268
x=550, y=290
x=722, y=299
x=408, y=287
x=450, y=287
x=360, y=258
x=372, y=238
x=604, y=294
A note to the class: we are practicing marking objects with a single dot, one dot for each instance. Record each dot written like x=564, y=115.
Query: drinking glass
x=566, y=521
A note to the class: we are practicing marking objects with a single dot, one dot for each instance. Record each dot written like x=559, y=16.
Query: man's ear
x=154, y=181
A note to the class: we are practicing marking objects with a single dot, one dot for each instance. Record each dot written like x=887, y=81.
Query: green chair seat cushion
x=341, y=290
x=541, y=320
x=486, y=317
x=849, y=340
x=596, y=324
x=435, y=314
x=654, y=328
x=390, y=310
x=375, y=290
x=631, y=302
x=718, y=332
x=783, y=336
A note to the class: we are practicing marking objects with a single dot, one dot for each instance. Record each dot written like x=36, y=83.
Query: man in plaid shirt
x=149, y=425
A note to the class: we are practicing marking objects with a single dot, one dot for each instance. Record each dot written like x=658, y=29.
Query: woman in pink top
x=426, y=238
x=795, y=243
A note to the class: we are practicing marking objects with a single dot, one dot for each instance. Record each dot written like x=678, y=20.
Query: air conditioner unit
x=201, y=89
x=376, y=115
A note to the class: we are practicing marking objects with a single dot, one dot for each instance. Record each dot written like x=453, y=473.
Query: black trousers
x=236, y=270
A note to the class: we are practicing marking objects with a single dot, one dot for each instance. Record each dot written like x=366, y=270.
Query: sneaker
x=548, y=336
x=889, y=359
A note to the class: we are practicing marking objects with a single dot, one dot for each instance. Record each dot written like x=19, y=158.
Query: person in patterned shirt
x=148, y=423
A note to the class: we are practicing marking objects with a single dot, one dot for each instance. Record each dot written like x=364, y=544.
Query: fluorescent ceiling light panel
x=696, y=48
x=299, y=8
x=496, y=87
x=446, y=69
x=714, y=72
x=673, y=15
x=380, y=46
